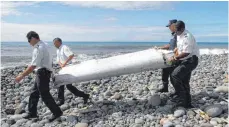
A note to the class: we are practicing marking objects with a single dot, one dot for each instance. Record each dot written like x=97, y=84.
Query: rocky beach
x=125, y=101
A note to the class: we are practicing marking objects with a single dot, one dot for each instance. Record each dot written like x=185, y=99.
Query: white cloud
x=123, y=5
x=11, y=8
x=17, y=32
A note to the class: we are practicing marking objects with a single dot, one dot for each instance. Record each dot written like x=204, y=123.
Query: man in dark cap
x=171, y=46
x=42, y=65
x=187, y=61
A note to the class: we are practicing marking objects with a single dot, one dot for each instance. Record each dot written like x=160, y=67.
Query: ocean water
x=20, y=53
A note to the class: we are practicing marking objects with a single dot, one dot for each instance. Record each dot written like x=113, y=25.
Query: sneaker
x=164, y=90
x=54, y=117
x=85, y=99
x=30, y=116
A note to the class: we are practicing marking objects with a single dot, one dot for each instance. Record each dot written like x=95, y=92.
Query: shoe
x=59, y=103
x=30, y=116
x=54, y=117
x=174, y=95
x=163, y=90
x=85, y=99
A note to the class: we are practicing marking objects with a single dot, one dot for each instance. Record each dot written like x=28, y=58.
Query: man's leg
x=33, y=100
x=187, y=87
x=177, y=78
x=60, y=95
x=77, y=92
x=165, y=78
x=43, y=79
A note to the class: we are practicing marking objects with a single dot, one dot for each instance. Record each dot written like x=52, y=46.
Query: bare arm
x=165, y=47
x=69, y=59
x=29, y=70
x=182, y=55
x=25, y=73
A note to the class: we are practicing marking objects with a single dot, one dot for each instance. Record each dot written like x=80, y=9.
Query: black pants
x=41, y=88
x=72, y=89
x=166, y=72
x=180, y=78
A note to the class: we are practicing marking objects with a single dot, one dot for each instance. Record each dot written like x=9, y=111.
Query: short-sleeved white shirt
x=186, y=43
x=63, y=53
x=41, y=56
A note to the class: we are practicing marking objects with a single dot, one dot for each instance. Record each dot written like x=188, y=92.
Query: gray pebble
x=213, y=110
x=154, y=100
x=5, y=125
x=139, y=121
x=179, y=113
x=35, y=125
x=206, y=125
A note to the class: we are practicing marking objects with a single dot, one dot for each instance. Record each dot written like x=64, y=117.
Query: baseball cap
x=171, y=22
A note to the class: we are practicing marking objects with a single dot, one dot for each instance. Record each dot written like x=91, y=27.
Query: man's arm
x=182, y=55
x=29, y=70
x=69, y=59
x=37, y=56
x=68, y=53
x=165, y=47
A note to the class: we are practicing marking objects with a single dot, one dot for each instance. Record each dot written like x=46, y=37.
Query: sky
x=113, y=21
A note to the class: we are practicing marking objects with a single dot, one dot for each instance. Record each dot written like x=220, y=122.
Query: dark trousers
x=72, y=89
x=41, y=88
x=166, y=72
x=180, y=78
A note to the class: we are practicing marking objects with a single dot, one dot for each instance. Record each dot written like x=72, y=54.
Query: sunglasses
x=29, y=39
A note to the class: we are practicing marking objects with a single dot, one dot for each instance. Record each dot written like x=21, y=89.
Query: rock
x=223, y=89
x=11, y=121
x=5, y=125
x=35, y=125
x=137, y=125
x=16, y=117
x=9, y=111
x=19, y=111
x=139, y=121
x=81, y=125
x=43, y=122
x=191, y=113
x=206, y=125
x=71, y=118
x=21, y=121
x=168, y=124
x=163, y=120
x=116, y=96
x=64, y=107
x=213, y=110
x=154, y=100
x=107, y=93
x=179, y=112
x=214, y=123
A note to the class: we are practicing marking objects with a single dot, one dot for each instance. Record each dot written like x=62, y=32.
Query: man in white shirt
x=42, y=65
x=186, y=62
x=64, y=57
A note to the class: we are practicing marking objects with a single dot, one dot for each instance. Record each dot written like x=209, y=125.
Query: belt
x=190, y=58
x=43, y=70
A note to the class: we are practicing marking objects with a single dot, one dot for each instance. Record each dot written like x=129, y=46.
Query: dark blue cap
x=171, y=22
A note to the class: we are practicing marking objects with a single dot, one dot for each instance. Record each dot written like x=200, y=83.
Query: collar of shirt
x=37, y=44
x=184, y=32
x=60, y=46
